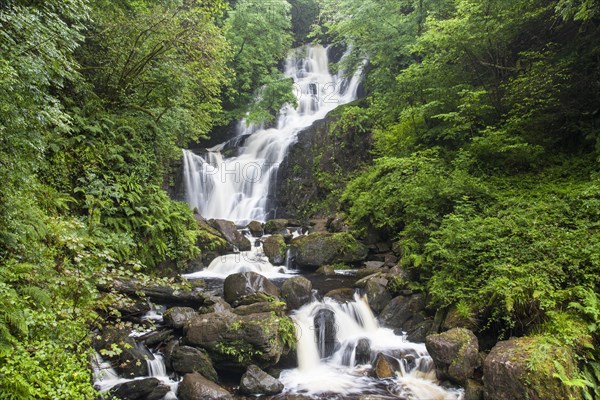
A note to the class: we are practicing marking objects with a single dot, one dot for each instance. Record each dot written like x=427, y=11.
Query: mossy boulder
x=255, y=228
x=229, y=231
x=275, y=225
x=455, y=354
x=245, y=288
x=186, y=359
x=296, y=292
x=196, y=387
x=275, y=248
x=235, y=342
x=318, y=249
x=524, y=368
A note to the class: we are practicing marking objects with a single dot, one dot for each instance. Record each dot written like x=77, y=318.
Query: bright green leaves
x=260, y=37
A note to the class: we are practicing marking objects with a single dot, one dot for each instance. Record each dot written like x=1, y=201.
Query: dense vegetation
x=96, y=99
x=485, y=123
x=486, y=137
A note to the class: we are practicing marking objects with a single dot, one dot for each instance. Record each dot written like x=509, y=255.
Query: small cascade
x=105, y=377
x=338, y=342
x=289, y=260
x=156, y=367
x=238, y=188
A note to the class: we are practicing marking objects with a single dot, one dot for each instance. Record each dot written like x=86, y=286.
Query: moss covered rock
x=318, y=249
x=455, y=354
x=275, y=248
x=524, y=368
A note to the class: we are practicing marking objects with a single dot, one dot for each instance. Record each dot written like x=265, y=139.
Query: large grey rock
x=186, y=359
x=405, y=313
x=248, y=287
x=196, y=387
x=341, y=295
x=375, y=287
x=276, y=307
x=507, y=374
x=231, y=234
x=256, y=381
x=176, y=317
x=236, y=341
x=296, y=292
x=455, y=354
x=255, y=228
x=141, y=389
x=363, y=352
x=275, y=225
x=325, y=332
x=319, y=249
x=275, y=248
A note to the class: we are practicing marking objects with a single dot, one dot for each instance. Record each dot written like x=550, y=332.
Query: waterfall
x=238, y=188
x=355, y=337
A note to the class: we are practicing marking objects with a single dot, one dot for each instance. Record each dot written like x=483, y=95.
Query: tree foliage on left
x=96, y=99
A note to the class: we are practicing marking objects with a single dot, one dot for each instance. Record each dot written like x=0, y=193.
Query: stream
x=336, y=343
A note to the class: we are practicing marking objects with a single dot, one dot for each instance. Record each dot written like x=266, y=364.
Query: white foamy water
x=238, y=188
x=337, y=376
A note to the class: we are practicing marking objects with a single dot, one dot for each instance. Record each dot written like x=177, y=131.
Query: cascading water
x=238, y=188
x=336, y=344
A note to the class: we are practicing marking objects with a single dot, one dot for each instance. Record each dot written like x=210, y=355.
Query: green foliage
x=286, y=330
x=260, y=37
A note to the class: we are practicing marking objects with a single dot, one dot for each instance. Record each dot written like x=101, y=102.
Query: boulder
x=473, y=390
x=524, y=368
x=141, y=389
x=363, y=352
x=131, y=362
x=176, y=317
x=418, y=332
x=404, y=313
x=234, y=342
x=230, y=232
x=455, y=319
x=374, y=264
x=341, y=295
x=318, y=249
x=255, y=381
x=325, y=332
x=455, y=354
x=248, y=287
x=375, y=287
x=275, y=248
x=255, y=228
x=327, y=270
x=155, y=338
x=296, y=292
x=196, y=387
x=159, y=294
x=275, y=225
x=185, y=359
x=385, y=366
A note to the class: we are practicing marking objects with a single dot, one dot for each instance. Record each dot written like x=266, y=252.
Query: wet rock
x=275, y=225
x=374, y=264
x=455, y=354
x=176, y=317
x=277, y=307
x=141, y=389
x=234, y=342
x=255, y=228
x=473, y=390
x=507, y=374
x=418, y=333
x=363, y=352
x=131, y=362
x=318, y=249
x=296, y=292
x=231, y=234
x=185, y=359
x=341, y=295
x=375, y=287
x=325, y=332
x=275, y=248
x=154, y=339
x=247, y=288
x=336, y=224
x=404, y=312
x=327, y=270
x=256, y=381
x=214, y=304
x=196, y=387
x=385, y=366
